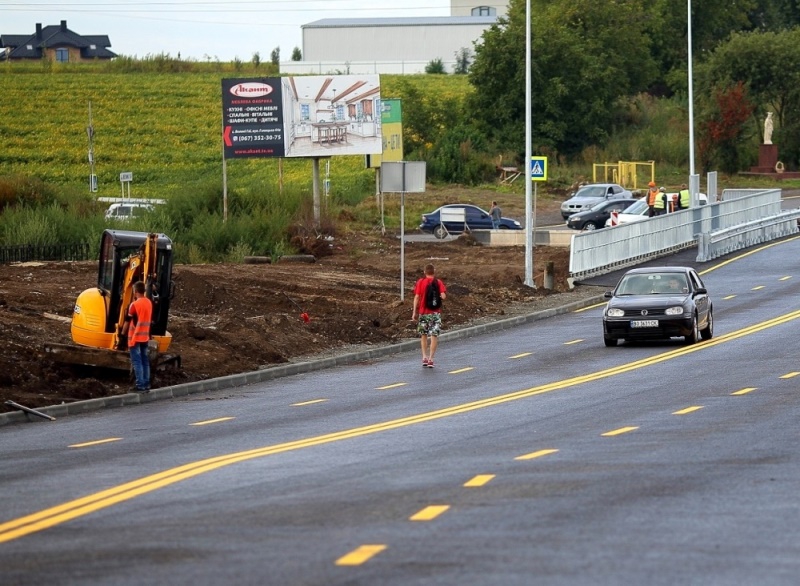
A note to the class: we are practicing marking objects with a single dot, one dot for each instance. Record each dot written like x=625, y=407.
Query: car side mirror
x=701, y=291
x=608, y=294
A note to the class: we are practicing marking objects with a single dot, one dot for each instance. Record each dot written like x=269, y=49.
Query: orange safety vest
x=651, y=197
x=141, y=311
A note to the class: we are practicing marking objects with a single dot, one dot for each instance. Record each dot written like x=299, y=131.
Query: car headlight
x=517, y=223
x=674, y=310
x=614, y=312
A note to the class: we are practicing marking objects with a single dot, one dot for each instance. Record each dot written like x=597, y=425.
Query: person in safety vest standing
x=684, y=198
x=140, y=314
x=660, y=205
x=652, y=195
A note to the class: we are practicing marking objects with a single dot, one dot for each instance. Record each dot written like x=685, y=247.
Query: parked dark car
x=657, y=303
x=596, y=216
x=588, y=195
x=460, y=217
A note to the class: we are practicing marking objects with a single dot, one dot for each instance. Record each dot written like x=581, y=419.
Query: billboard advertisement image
x=302, y=116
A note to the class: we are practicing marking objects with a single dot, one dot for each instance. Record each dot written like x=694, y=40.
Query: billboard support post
x=315, y=179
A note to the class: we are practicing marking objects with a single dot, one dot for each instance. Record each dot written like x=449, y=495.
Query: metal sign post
x=403, y=177
x=125, y=178
x=537, y=171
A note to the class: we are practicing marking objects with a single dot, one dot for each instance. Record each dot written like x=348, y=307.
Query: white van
x=126, y=211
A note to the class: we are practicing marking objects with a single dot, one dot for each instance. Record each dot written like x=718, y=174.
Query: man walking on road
x=429, y=292
x=496, y=214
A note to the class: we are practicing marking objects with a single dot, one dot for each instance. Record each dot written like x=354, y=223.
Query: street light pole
x=691, y=106
x=527, y=163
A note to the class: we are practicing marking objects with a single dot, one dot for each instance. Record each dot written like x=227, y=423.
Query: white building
x=392, y=45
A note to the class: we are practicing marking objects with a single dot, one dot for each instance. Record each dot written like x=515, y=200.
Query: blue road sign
x=538, y=169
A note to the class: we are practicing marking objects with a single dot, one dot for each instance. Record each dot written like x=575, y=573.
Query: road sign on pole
x=538, y=168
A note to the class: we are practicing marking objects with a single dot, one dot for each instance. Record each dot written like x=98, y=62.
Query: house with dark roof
x=55, y=43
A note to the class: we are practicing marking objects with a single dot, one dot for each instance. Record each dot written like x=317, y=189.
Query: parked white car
x=640, y=210
x=126, y=211
x=589, y=195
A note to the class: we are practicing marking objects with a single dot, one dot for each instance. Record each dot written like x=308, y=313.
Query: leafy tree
x=256, y=59
x=580, y=68
x=463, y=58
x=457, y=157
x=769, y=66
x=722, y=130
x=297, y=55
x=435, y=66
x=275, y=56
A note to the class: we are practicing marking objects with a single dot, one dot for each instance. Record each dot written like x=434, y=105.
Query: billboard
x=392, y=131
x=303, y=116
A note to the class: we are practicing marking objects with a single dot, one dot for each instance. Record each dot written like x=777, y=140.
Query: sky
x=203, y=30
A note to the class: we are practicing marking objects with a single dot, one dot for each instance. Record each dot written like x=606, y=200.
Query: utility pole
x=90, y=132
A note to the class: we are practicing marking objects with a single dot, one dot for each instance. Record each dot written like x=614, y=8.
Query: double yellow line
x=53, y=516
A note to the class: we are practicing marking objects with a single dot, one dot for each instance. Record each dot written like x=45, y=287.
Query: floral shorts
x=430, y=324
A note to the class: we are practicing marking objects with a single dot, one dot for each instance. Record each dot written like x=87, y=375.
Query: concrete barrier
x=542, y=237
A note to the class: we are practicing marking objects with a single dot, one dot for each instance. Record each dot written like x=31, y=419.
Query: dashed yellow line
x=729, y=297
x=756, y=288
x=304, y=403
x=688, y=410
x=429, y=513
x=537, y=454
x=387, y=387
x=460, y=370
x=523, y=355
x=578, y=341
x=479, y=480
x=744, y=391
x=360, y=555
x=786, y=278
x=95, y=442
x=210, y=421
x=588, y=307
x=790, y=375
x=619, y=431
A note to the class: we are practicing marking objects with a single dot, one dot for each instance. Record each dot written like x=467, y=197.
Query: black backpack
x=433, y=296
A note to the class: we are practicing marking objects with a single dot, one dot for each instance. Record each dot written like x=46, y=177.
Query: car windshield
x=591, y=191
x=600, y=206
x=636, y=208
x=653, y=283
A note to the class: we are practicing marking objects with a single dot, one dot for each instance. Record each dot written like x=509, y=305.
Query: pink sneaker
x=425, y=362
x=430, y=363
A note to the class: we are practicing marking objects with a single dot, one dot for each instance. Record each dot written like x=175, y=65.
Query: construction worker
x=652, y=196
x=684, y=198
x=660, y=204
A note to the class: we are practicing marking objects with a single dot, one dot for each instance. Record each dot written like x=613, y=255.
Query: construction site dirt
x=233, y=318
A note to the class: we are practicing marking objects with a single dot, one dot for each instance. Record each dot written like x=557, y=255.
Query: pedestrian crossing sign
x=538, y=168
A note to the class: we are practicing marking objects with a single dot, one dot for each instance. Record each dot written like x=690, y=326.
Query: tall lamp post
x=527, y=164
x=693, y=192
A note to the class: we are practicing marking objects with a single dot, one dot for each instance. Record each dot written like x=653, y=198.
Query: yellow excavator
x=100, y=312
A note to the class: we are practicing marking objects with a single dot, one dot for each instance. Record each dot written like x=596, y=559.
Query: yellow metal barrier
x=629, y=174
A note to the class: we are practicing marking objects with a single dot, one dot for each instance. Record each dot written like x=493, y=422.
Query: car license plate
x=644, y=323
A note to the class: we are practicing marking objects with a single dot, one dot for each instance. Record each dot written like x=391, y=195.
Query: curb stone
x=292, y=368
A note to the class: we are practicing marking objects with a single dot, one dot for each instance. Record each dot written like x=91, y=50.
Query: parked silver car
x=588, y=195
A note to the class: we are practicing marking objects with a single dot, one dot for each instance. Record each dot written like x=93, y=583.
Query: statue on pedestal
x=768, y=129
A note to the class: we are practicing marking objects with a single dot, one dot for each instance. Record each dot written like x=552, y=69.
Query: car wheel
x=440, y=232
x=589, y=226
x=694, y=337
x=609, y=342
x=503, y=227
x=708, y=332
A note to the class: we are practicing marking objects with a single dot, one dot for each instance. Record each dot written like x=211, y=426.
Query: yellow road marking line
x=47, y=518
x=729, y=297
x=210, y=421
x=619, y=431
x=308, y=402
x=573, y=342
x=588, y=307
x=394, y=386
x=523, y=355
x=688, y=410
x=786, y=278
x=429, y=513
x=790, y=375
x=460, y=370
x=537, y=454
x=479, y=480
x=745, y=391
x=360, y=555
x=756, y=288
x=95, y=443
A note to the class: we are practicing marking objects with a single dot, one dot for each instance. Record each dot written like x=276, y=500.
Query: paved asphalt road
x=531, y=456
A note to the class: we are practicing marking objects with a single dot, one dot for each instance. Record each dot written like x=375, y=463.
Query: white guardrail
x=742, y=218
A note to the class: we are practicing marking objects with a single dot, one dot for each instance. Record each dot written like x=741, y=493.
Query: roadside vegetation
x=595, y=100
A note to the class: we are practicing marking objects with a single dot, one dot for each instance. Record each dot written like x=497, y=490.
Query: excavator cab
x=125, y=257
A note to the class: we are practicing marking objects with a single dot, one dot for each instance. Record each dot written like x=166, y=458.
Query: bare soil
x=228, y=319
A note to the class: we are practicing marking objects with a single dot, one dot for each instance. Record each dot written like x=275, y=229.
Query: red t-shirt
x=141, y=312
x=421, y=287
